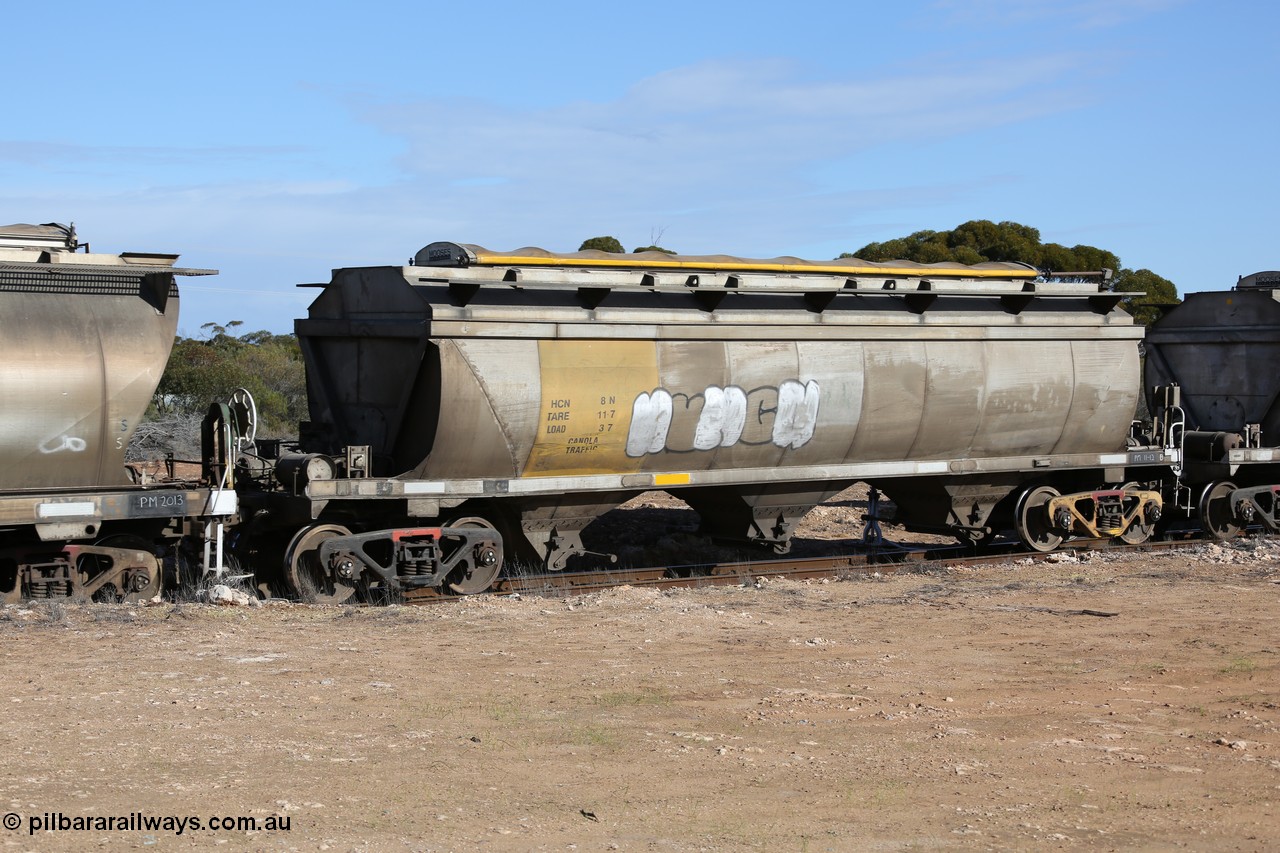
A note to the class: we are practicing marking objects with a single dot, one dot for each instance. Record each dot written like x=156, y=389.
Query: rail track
x=882, y=561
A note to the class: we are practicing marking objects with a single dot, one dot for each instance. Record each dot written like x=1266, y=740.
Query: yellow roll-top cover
x=445, y=254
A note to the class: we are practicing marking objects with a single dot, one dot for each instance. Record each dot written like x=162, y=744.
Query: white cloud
x=690, y=127
x=732, y=145
x=61, y=155
x=1081, y=14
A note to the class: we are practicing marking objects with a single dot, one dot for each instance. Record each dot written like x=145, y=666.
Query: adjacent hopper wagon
x=85, y=340
x=1212, y=362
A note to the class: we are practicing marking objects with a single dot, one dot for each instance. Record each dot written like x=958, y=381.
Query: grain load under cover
x=752, y=389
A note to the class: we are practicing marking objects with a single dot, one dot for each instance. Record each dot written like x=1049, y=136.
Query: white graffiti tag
x=724, y=415
x=650, y=420
x=797, y=414
x=59, y=443
x=785, y=416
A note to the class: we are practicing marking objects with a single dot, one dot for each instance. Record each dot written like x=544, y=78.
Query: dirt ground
x=980, y=708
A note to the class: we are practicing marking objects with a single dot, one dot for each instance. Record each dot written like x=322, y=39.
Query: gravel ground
x=977, y=708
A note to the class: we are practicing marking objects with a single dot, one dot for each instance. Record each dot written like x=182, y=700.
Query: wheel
x=1032, y=522
x=1217, y=517
x=1141, y=529
x=480, y=566
x=305, y=577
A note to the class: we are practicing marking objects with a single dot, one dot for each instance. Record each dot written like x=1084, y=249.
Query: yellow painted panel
x=587, y=391
x=670, y=479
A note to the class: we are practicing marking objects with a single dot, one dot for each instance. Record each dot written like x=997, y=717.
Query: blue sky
x=275, y=142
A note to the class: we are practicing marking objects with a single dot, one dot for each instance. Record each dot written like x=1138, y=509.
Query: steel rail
x=888, y=561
